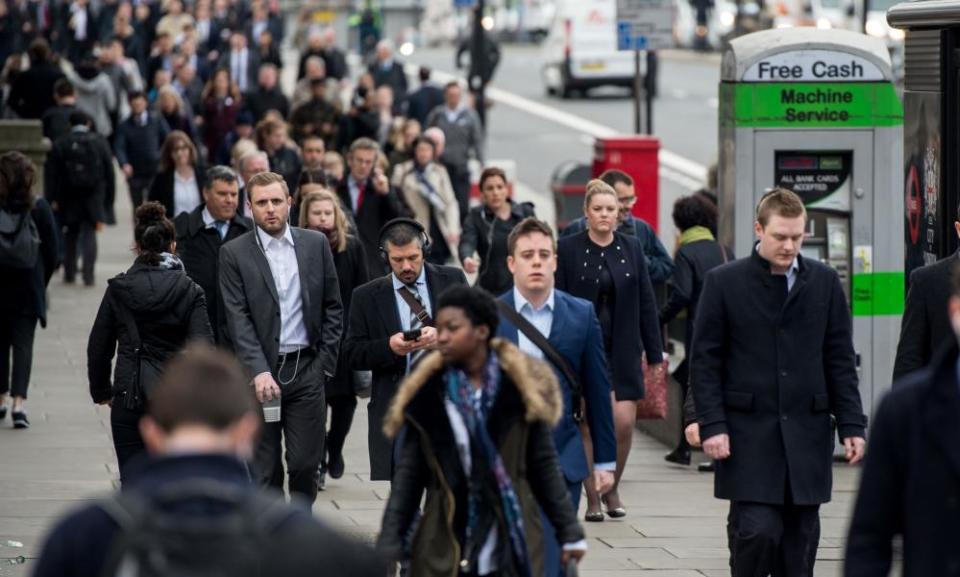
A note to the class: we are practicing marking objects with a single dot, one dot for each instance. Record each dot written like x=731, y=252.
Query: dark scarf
x=475, y=410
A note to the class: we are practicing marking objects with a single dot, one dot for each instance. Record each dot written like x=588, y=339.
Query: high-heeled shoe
x=617, y=513
x=593, y=517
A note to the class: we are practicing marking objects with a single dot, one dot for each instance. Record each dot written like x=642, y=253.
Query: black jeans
x=460, y=179
x=83, y=234
x=139, y=185
x=342, y=408
x=777, y=540
x=127, y=442
x=301, y=430
x=16, y=338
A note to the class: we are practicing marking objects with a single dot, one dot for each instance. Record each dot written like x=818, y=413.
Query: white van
x=580, y=50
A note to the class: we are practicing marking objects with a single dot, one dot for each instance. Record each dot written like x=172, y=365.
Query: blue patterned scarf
x=475, y=410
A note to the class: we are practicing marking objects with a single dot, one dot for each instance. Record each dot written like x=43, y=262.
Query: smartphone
x=412, y=335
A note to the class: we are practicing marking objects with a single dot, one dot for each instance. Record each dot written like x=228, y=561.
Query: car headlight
x=897, y=34
x=876, y=28
x=727, y=18
x=824, y=24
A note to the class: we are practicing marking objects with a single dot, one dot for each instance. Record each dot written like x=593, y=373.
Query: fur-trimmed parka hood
x=533, y=378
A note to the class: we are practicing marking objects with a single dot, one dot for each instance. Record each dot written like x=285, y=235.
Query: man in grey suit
x=279, y=289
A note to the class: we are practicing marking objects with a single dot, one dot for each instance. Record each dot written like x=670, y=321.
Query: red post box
x=638, y=157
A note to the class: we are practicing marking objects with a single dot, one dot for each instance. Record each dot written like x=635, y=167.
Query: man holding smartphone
x=391, y=324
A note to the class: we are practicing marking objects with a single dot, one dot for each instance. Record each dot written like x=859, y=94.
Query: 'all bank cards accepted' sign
x=644, y=24
x=814, y=88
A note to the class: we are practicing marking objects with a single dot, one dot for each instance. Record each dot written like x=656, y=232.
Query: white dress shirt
x=542, y=320
x=282, y=259
x=186, y=193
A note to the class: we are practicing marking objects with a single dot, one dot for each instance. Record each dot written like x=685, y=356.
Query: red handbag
x=654, y=402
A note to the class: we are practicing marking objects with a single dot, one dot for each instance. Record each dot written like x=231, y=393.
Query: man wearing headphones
x=391, y=324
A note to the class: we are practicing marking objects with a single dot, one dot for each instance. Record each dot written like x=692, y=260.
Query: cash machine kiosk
x=816, y=111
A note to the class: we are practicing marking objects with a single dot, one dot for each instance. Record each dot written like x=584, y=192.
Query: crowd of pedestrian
x=323, y=237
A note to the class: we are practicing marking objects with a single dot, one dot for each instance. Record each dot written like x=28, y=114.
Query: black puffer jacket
x=169, y=310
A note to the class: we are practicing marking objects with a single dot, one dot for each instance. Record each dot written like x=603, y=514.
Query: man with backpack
x=192, y=510
x=81, y=172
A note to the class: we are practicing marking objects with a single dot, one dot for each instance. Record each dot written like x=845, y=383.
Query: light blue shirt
x=542, y=320
x=403, y=308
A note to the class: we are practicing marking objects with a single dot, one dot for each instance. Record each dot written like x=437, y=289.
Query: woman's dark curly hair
x=17, y=174
x=477, y=304
x=691, y=211
x=153, y=232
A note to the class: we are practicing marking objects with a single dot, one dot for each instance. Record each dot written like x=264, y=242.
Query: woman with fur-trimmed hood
x=474, y=421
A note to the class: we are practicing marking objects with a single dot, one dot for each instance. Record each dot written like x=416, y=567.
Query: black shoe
x=705, y=467
x=337, y=466
x=678, y=456
x=20, y=420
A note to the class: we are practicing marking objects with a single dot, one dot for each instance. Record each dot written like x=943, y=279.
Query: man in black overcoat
x=910, y=485
x=925, y=326
x=773, y=365
x=378, y=317
x=368, y=199
x=201, y=232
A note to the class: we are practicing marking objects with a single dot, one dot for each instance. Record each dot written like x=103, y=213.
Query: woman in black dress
x=320, y=210
x=609, y=269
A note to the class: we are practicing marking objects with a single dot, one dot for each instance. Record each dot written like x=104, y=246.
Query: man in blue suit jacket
x=571, y=326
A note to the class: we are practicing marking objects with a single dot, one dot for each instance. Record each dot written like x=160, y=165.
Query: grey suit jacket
x=253, y=309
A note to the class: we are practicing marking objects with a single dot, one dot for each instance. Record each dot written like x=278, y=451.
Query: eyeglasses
x=627, y=199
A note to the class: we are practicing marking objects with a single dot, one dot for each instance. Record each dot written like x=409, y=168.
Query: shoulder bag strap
x=538, y=339
x=417, y=307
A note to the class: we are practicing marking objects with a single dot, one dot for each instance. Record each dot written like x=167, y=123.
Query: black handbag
x=148, y=361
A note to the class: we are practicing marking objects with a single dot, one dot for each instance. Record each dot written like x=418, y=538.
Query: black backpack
x=19, y=240
x=81, y=162
x=231, y=537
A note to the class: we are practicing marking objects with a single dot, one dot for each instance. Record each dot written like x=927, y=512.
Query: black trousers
x=772, y=540
x=82, y=235
x=342, y=408
x=16, y=340
x=301, y=429
x=139, y=185
x=127, y=442
x=460, y=179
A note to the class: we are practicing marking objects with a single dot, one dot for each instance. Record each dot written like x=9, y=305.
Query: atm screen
x=820, y=178
x=813, y=252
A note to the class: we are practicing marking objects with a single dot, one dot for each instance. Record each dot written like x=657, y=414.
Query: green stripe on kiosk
x=816, y=111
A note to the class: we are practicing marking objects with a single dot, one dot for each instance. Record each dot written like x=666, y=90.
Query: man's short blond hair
x=780, y=202
x=262, y=179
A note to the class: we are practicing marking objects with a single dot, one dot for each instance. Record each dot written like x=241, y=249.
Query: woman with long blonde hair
x=320, y=210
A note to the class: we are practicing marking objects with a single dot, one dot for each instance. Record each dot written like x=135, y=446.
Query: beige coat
x=406, y=180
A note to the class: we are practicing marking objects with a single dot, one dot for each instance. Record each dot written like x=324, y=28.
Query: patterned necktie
x=361, y=188
x=415, y=324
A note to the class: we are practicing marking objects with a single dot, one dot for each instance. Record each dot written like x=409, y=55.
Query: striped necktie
x=415, y=323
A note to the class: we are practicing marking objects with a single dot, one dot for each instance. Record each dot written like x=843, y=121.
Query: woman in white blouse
x=179, y=183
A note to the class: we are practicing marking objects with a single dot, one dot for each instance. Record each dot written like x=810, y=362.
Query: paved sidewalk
x=674, y=527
